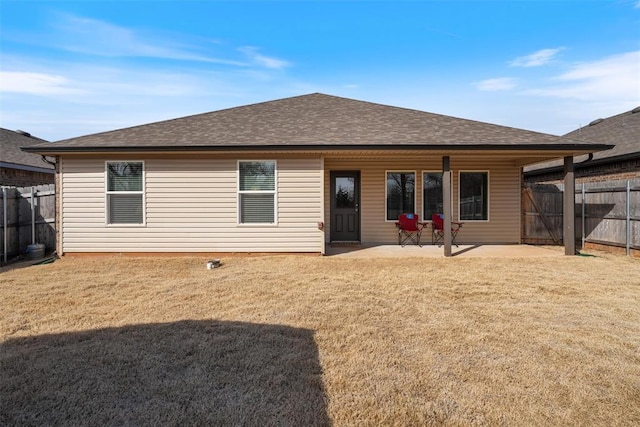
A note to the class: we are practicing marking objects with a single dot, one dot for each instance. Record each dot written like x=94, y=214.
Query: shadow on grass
x=188, y=372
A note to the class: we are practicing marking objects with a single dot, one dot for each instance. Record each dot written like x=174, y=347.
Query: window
x=257, y=192
x=125, y=192
x=474, y=196
x=401, y=188
x=431, y=194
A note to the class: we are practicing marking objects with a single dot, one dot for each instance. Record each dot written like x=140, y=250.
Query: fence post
x=4, y=222
x=583, y=217
x=628, y=218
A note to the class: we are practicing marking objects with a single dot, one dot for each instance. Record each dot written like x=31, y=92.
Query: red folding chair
x=409, y=229
x=437, y=229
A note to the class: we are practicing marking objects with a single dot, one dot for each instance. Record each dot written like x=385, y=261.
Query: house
x=18, y=168
x=293, y=175
x=620, y=163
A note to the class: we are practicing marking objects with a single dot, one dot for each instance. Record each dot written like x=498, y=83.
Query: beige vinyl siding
x=504, y=196
x=192, y=206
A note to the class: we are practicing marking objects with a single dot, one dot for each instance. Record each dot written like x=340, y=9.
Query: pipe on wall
x=33, y=215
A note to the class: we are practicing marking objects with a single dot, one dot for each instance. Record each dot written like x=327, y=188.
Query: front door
x=345, y=206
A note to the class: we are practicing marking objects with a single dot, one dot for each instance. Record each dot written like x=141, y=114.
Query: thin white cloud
x=615, y=77
x=95, y=37
x=536, y=59
x=265, y=61
x=497, y=84
x=637, y=5
x=36, y=83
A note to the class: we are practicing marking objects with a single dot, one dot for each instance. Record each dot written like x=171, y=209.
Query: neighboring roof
x=314, y=121
x=622, y=130
x=11, y=156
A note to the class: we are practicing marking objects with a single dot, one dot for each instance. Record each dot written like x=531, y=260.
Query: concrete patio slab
x=433, y=251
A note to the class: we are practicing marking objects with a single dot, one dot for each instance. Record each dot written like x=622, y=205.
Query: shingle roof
x=622, y=130
x=311, y=121
x=11, y=154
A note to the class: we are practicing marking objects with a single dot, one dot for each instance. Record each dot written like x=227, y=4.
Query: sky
x=71, y=68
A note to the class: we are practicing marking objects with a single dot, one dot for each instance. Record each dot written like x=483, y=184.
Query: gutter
x=584, y=164
x=325, y=147
x=26, y=168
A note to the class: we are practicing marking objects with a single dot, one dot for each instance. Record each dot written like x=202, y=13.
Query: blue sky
x=71, y=68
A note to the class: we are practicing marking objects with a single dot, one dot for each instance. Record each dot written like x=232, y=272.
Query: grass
x=315, y=341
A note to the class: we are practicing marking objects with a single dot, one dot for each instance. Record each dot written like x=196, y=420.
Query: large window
x=474, y=196
x=431, y=194
x=125, y=192
x=401, y=194
x=257, y=192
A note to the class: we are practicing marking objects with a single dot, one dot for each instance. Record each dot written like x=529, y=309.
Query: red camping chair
x=437, y=227
x=409, y=229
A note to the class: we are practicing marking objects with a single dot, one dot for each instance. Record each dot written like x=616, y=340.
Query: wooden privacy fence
x=607, y=213
x=27, y=216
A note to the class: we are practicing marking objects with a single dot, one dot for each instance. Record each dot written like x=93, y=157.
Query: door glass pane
x=345, y=192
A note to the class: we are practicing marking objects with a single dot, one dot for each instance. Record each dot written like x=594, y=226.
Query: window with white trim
x=125, y=192
x=257, y=192
x=474, y=196
x=431, y=194
x=401, y=194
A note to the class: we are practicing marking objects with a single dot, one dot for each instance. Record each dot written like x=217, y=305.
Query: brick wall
x=21, y=178
x=623, y=170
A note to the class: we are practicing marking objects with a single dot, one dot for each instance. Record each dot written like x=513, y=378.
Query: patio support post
x=446, y=204
x=569, y=215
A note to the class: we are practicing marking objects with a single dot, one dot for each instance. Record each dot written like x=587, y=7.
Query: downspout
x=44, y=159
x=58, y=202
x=585, y=161
x=33, y=215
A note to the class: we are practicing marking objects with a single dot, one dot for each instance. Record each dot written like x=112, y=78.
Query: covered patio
x=568, y=207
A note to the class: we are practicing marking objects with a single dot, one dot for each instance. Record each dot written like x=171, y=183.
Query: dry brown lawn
x=293, y=340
